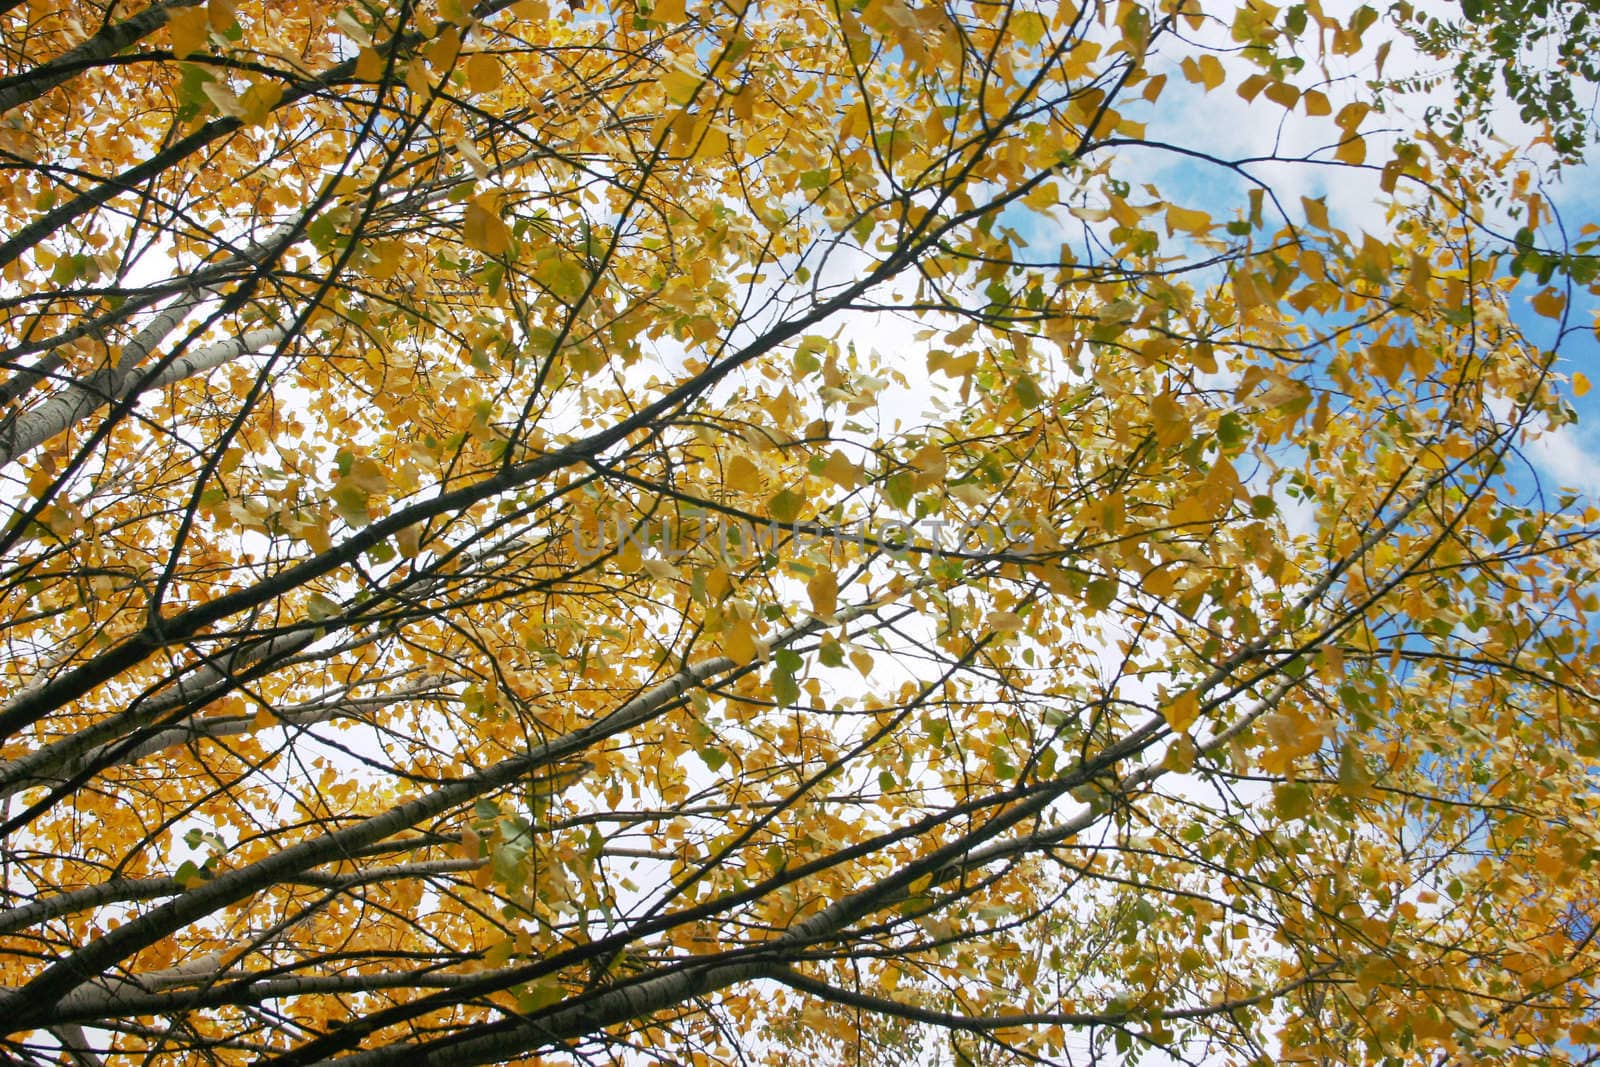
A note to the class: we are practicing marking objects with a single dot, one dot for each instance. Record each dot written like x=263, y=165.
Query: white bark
x=76, y=402
x=65, y=757
x=233, y=725
x=107, y=42
x=75, y=1043
x=37, y=1001
x=73, y=403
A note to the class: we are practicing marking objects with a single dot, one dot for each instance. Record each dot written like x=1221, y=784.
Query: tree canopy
x=1539, y=56
x=713, y=531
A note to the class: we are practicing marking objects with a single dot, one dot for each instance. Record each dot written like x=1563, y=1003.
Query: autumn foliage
x=719, y=532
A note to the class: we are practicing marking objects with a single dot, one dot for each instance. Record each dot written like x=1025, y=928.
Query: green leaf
x=323, y=234
x=1292, y=800
x=898, y=489
x=189, y=875
x=1100, y=593
x=320, y=606
x=785, y=506
x=536, y=996
x=785, y=690
x=1027, y=391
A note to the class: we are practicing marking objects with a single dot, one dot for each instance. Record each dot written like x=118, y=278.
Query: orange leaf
x=1549, y=303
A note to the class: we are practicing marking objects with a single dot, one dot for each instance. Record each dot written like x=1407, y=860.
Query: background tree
x=1536, y=56
x=473, y=587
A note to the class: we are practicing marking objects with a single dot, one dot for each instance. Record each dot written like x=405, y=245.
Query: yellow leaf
x=1316, y=103
x=1029, y=27
x=1171, y=422
x=1549, y=303
x=1352, y=151
x=1312, y=265
x=1245, y=291
x=740, y=644
x=1182, y=710
x=1283, y=94
x=670, y=12
x=259, y=100
x=680, y=85
x=1354, y=777
x=417, y=77
x=484, y=229
x=1180, y=755
x=190, y=29
x=1101, y=593
x=369, y=65
x=1207, y=70
x=1042, y=196
x=1004, y=622
x=952, y=366
x=1251, y=87
x=1350, y=116
x=713, y=143
x=929, y=464
x=1390, y=360
x=368, y=475
x=385, y=259
x=409, y=540
x=221, y=96
x=823, y=589
x=483, y=73
x=841, y=471
x=1186, y=220
x=1580, y=385
x=444, y=50
x=785, y=505
x=499, y=953
x=1194, y=508
x=970, y=493
x=1316, y=211
x=741, y=475
x=861, y=660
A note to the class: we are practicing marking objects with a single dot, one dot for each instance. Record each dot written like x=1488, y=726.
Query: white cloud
x=1570, y=457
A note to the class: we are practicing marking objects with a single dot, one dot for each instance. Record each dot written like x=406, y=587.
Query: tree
x=717, y=531
x=1541, y=53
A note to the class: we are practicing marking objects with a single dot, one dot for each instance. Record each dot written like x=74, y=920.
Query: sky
x=1566, y=457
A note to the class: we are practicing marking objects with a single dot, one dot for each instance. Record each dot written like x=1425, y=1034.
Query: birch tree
x=719, y=532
